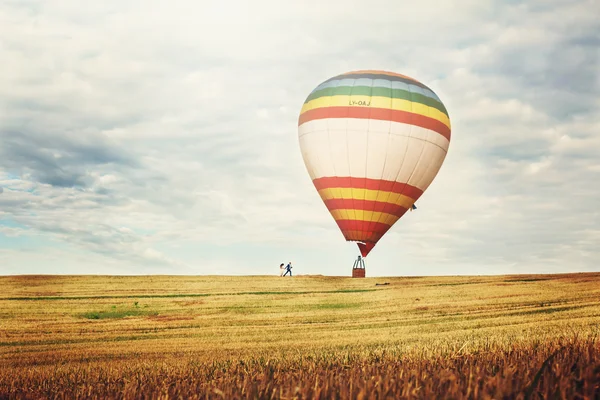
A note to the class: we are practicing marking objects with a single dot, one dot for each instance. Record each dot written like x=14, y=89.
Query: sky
x=161, y=137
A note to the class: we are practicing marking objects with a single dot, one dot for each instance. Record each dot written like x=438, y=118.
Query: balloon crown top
x=376, y=75
x=377, y=72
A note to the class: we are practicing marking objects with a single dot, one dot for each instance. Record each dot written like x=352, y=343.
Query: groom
x=288, y=268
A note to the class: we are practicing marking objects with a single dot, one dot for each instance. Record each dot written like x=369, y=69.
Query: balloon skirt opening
x=365, y=248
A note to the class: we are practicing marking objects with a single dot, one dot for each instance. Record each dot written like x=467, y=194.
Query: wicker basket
x=358, y=272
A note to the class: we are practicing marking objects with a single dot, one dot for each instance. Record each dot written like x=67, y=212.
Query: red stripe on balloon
x=383, y=114
x=357, y=225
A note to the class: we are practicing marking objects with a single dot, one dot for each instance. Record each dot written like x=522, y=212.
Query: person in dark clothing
x=288, y=268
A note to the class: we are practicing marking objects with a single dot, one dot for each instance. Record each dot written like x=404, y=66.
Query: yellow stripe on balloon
x=367, y=194
x=367, y=216
x=377, y=102
x=355, y=235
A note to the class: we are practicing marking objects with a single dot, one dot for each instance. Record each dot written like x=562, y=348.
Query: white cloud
x=134, y=133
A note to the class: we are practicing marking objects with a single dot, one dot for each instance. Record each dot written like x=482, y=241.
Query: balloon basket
x=358, y=270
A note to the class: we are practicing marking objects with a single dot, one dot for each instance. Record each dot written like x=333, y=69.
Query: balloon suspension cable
x=359, y=263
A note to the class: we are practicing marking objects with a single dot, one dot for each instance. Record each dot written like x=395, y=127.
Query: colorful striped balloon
x=372, y=142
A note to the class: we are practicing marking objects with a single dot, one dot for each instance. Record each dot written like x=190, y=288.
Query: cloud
x=59, y=159
x=158, y=137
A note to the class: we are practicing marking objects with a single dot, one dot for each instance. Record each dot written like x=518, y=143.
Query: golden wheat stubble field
x=301, y=337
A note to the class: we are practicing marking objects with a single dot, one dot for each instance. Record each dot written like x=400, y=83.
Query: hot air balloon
x=372, y=143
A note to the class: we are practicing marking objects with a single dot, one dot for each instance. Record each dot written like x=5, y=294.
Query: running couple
x=288, y=268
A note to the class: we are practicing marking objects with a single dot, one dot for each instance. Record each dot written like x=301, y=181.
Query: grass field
x=302, y=337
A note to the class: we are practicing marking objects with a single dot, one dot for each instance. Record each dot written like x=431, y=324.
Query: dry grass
x=305, y=337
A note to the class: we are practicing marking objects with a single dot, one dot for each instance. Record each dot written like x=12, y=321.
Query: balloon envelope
x=372, y=142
